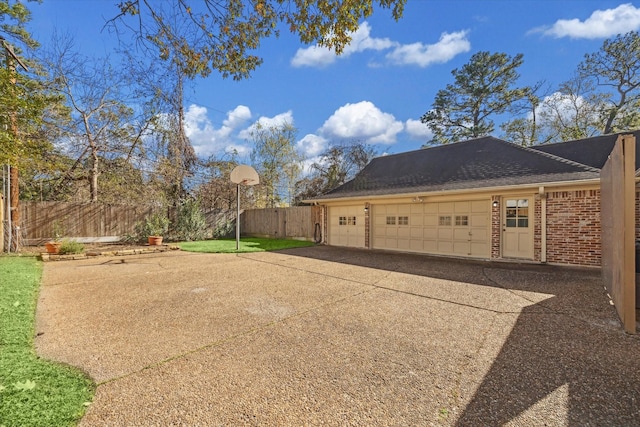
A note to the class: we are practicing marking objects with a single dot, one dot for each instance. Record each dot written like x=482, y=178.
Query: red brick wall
x=496, y=226
x=537, y=228
x=573, y=227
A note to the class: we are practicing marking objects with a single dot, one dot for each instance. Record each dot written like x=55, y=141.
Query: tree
x=616, y=66
x=573, y=112
x=484, y=87
x=218, y=192
x=276, y=160
x=103, y=130
x=221, y=34
x=337, y=165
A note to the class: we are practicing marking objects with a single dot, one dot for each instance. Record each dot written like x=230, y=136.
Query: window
x=391, y=220
x=403, y=220
x=444, y=220
x=517, y=213
x=342, y=220
x=351, y=220
x=462, y=220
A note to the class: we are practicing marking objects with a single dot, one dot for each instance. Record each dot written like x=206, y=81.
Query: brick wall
x=496, y=226
x=537, y=228
x=573, y=227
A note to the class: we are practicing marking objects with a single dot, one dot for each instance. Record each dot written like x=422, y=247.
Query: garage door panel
x=461, y=207
x=430, y=220
x=445, y=247
x=445, y=207
x=460, y=234
x=445, y=233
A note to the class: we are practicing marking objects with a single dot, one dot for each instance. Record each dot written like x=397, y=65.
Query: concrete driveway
x=334, y=336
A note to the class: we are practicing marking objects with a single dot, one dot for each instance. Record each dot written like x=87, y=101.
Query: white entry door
x=346, y=226
x=517, y=227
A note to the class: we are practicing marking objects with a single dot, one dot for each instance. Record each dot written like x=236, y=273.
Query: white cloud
x=361, y=40
x=601, y=24
x=313, y=56
x=268, y=122
x=312, y=145
x=423, y=55
x=418, y=130
x=362, y=120
x=208, y=140
x=449, y=45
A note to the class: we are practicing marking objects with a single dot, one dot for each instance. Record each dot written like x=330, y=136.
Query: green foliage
x=156, y=224
x=220, y=36
x=247, y=244
x=224, y=229
x=71, y=247
x=483, y=88
x=33, y=392
x=616, y=70
x=190, y=222
x=278, y=163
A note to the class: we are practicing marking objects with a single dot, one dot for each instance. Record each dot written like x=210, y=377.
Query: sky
x=378, y=89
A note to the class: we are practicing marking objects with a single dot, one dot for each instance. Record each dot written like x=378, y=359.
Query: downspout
x=543, y=224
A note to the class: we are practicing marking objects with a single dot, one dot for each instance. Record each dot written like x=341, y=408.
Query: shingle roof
x=477, y=163
x=590, y=151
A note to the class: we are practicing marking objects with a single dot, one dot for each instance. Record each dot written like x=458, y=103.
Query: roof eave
x=495, y=189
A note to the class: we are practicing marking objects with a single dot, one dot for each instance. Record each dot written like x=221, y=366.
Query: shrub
x=153, y=225
x=190, y=223
x=225, y=228
x=71, y=247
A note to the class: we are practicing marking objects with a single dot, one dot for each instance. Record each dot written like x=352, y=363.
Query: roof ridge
x=556, y=158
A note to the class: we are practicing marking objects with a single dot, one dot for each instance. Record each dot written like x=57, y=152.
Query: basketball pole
x=238, y=219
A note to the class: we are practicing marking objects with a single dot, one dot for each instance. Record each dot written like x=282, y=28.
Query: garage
x=460, y=228
x=346, y=226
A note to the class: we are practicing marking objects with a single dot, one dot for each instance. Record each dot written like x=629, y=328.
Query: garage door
x=445, y=228
x=346, y=226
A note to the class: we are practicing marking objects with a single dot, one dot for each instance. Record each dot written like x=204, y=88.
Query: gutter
x=491, y=190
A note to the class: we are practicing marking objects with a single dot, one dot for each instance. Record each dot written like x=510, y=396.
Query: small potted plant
x=53, y=246
x=154, y=228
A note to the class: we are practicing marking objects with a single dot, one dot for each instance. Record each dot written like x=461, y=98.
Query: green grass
x=33, y=392
x=247, y=244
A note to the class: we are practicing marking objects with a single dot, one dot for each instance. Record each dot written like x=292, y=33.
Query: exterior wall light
x=495, y=204
x=366, y=209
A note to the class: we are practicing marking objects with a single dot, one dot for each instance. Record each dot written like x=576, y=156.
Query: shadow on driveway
x=571, y=344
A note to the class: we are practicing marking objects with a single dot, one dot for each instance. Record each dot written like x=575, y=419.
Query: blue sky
x=378, y=89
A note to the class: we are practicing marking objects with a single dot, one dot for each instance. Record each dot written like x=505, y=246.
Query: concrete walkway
x=334, y=336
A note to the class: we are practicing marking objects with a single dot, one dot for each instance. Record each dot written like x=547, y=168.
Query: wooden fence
x=101, y=222
x=89, y=220
x=297, y=222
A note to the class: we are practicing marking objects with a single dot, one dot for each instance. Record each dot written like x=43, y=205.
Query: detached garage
x=484, y=198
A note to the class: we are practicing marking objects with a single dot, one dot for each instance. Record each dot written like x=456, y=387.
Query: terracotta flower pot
x=155, y=240
x=52, y=247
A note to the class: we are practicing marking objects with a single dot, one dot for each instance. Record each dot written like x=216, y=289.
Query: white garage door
x=346, y=226
x=446, y=228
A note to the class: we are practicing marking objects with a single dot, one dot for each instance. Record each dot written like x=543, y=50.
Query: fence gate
x=617, y=211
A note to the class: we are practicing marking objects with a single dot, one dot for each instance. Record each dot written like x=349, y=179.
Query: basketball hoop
x=242, y=175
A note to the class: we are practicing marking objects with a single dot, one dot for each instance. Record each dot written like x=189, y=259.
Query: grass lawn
x=33, y=392
x=247, y=244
